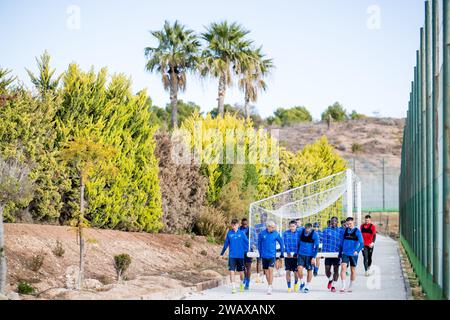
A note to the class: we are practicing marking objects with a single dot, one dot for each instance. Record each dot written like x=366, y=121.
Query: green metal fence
x=425, y=169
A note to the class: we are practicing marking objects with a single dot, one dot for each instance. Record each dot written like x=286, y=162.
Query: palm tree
x=226, y=50
x=176, y=53
x=254, y=69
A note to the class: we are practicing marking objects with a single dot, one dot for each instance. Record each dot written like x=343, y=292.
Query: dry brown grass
x=416, y=290
x=155, y=257
x=387, y=223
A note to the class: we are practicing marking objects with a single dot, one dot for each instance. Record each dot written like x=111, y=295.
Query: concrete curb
x=409, y=295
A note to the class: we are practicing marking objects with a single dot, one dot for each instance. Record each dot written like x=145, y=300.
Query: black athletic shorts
x=247, y=259
x=268, y=263
x=236, y=264
x=332, y=261
x=290, y=264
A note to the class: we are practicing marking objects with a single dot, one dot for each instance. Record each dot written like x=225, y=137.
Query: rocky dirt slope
x=369, y=139
x=161, y=263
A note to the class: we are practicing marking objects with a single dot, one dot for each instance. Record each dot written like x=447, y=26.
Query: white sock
x=335, y=284
x=343, y=284
x=330, y=278
x=307, y=285
x=350, y=284
x=233, y=285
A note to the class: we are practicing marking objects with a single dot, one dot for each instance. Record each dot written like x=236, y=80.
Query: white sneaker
x=367, y=273
x=269, y=290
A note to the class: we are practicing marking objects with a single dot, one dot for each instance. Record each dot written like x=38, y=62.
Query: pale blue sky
x=323, y=49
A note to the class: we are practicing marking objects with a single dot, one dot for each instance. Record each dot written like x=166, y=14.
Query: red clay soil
x=159, y=261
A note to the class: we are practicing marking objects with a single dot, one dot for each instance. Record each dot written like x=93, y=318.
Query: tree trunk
x=80, y=234
x=247, y=105
x=2, y=254
x=174, y=99
x=221, y=97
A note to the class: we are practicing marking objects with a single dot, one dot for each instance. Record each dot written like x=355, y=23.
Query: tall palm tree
x=175, y=54
x=254, y=69
x=226, y=50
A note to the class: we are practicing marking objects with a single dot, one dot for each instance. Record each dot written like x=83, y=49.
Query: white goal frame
x=352, y=193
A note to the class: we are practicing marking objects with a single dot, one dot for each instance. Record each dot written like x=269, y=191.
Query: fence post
x=423, y=151
x=349, y=193
x=446, y=98
x=429, y=143
x=358, y=203
x=382, y=186
x=436, y=151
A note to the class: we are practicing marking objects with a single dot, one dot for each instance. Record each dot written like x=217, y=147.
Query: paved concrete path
x=386, y=282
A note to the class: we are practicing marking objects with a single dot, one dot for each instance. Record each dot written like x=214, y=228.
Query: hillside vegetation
x=367, y=139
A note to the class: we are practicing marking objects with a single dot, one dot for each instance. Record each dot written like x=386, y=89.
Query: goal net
x=338, y=195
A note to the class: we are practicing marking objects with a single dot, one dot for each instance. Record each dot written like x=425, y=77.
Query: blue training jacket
x=331, y=239
x=290, y=240
x=238, y=243
x=309, y=245
x=267, y=244
x=351, y=241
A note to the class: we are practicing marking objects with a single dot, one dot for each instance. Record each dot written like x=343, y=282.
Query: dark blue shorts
x=290, y=264
x=268, y=263
x=305, y=262
x=236, y=264
x=247, y=259
x=352, y=260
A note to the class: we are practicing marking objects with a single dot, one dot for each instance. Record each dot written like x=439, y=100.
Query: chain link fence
x=379, y=180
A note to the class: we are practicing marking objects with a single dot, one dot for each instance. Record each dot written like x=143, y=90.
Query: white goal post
x=335, y=195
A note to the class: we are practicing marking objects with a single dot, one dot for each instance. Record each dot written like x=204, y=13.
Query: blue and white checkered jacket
x=291, y=240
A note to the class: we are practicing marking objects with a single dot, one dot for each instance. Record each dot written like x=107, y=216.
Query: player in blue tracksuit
x=291, y=237
x=267, y=247
x=332, y=243
x=351, y=244
x=316, y=226
x=257, y=230
x=247, y=260
x=237, y=241
x=308, y=247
